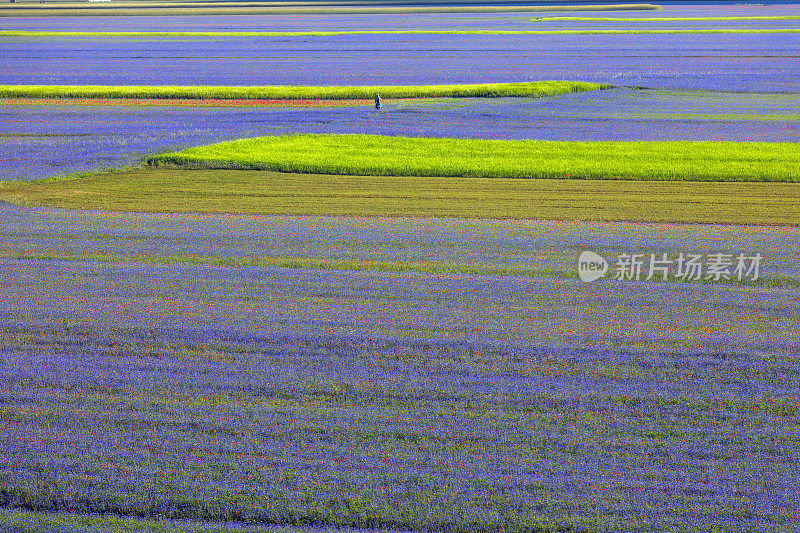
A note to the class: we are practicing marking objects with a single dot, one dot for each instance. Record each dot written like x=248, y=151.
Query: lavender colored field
x=48, y=140
x=535, y=245
x=450, y=402
x=720, y=62
x=260, y=373
x=394, y=21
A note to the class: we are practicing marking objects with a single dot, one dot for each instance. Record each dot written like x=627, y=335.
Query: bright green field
x=278, y=92
x=263, y=192
x=218, y=34
x=406, y=156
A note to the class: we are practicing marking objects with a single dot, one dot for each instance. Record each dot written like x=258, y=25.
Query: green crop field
x=405, y=156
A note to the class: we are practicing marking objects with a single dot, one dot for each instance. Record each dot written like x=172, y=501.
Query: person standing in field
x=377, y=102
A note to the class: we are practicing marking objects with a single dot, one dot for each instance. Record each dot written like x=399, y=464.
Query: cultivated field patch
x=406, y=156
x=259, y=192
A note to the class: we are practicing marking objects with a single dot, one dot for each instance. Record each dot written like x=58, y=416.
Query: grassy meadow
x=406, y=156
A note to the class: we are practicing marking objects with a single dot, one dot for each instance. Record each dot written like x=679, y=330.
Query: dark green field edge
x=278, y=92
x=380, y=155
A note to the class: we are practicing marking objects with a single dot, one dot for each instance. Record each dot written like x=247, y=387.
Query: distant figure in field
x=377, y=102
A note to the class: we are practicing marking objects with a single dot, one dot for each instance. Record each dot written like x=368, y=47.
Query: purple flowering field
x=179, y=372
x=707, y=61
x=764, y=62
x=265, y=390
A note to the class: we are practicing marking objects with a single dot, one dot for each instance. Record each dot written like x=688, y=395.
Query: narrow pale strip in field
x=407, y=156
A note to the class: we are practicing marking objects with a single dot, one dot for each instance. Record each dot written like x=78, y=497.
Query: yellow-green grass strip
x=666, y=19
x=420, y=156
x=153, y=9
x=239, y=34
x=281, y=92
x=165, y=190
